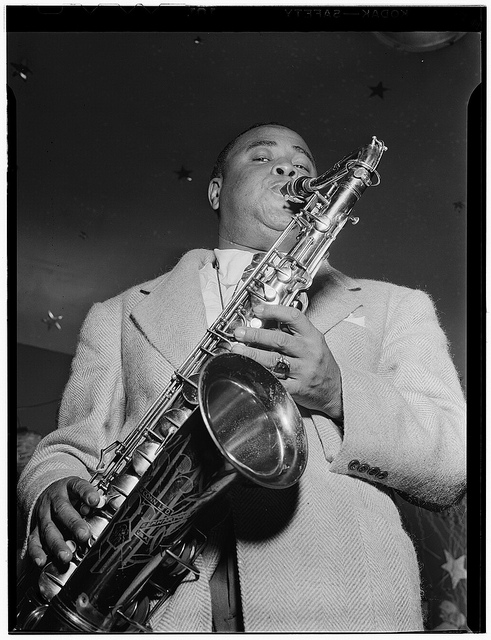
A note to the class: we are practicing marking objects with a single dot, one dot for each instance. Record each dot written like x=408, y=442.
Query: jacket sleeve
x=91, y=412
x=404, y=425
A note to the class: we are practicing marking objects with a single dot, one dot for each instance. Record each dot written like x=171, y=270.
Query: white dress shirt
x=231, y=264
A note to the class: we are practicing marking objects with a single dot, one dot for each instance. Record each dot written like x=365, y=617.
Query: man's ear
x=214, y=189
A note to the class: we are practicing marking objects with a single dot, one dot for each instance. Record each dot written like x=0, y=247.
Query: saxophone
x=222, y=418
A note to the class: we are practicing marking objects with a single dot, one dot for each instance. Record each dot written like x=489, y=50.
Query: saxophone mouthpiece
x=297, y=190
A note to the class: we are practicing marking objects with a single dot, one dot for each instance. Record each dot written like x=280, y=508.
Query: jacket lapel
x=172, y=316
x=332, y=298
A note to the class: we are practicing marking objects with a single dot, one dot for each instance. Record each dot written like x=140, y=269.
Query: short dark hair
x=219, y=168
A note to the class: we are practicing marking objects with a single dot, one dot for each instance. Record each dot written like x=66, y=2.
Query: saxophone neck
x=368, y=157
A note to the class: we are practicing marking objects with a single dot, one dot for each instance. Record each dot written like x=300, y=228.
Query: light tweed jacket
x=330, y=554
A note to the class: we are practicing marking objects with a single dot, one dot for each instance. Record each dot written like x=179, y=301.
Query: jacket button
x=353, y=465
x=374, y=471
x=363, y=468
x=382, y=475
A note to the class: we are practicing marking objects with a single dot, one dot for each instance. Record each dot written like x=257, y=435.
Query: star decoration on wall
x=21, y=70
x=455, y=567
x=378, y=90
x=458, y=205
x=52, y=321
x=184, y=174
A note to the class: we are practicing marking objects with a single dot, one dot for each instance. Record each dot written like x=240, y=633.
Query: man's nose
x=284, y=168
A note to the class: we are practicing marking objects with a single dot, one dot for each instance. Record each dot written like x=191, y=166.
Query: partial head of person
x=245, y=184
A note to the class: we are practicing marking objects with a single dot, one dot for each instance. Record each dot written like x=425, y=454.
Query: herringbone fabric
x=329, y=554
x=345, y=564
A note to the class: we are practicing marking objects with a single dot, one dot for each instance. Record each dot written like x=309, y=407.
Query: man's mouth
x=276, y=187
x=288, y=205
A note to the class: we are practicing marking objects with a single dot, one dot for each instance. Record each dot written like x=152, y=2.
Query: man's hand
x=55, y=512
x=314, y=380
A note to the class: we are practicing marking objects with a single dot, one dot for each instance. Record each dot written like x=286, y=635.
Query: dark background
x=116, y=118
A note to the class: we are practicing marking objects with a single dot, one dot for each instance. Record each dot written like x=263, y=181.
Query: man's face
x=253, y=213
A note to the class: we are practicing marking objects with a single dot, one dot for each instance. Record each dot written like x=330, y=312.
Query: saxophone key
x=172, y=420
x=284, y=273
x=120, y=490
x=270, y=293
x=97, y=524
x=222, y=347
x=144, y=455
x=52, y=580
x=190, y=389
x=301, y=302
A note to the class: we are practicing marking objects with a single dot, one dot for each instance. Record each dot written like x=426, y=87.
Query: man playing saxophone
x=367, y=365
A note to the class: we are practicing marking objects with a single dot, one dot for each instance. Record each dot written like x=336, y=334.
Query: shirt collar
x=231, y=264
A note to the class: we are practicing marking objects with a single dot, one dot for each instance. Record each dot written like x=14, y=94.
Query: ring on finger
x=281, y=368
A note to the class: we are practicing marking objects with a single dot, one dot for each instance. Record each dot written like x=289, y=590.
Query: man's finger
x=272, y=340
x=35, y=548
x=84, y=490
x=53, y=541
x=63, y=512
x=293, y=318
x=268, y=359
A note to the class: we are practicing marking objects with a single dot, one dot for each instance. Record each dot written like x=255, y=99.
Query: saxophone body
x=222, y=418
